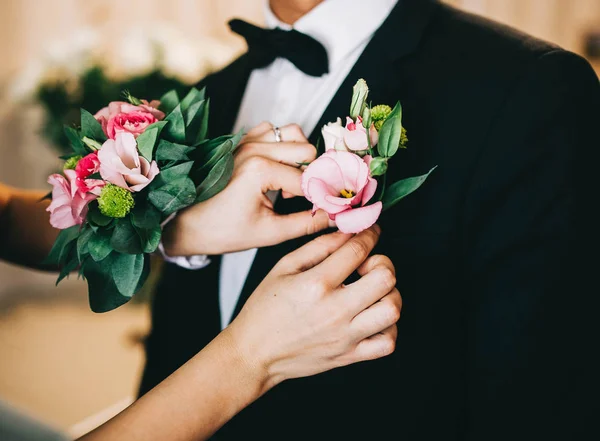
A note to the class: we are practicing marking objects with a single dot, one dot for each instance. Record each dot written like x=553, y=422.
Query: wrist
x=250, y=359
x=174, y=234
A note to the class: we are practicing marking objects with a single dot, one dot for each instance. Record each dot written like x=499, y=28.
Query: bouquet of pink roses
x=133, y=164
x=348, y=181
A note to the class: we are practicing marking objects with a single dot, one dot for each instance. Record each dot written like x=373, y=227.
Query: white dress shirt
x=282, y=94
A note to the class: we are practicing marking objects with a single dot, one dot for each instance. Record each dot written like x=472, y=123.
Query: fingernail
x=377, y=228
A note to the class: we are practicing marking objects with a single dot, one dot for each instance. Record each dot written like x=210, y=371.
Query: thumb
x=313, y=253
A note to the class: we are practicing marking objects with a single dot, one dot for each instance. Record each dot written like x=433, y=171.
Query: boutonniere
x=348, y=180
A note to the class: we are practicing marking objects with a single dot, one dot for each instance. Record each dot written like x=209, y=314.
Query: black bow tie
x=265, y=45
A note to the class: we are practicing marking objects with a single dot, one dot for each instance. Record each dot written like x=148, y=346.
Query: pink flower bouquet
x=348, y=180
x=133, y=165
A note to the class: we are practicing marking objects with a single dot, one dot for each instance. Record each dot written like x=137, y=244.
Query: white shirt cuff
x=190, y=263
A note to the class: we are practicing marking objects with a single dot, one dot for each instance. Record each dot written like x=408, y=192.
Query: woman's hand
x=303, y=320
x=241, y=216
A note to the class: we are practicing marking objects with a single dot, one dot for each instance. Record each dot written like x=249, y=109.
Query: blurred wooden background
x=59, y=361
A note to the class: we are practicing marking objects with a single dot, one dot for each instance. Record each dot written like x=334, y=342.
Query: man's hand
x=241, y=216
x=302, y=320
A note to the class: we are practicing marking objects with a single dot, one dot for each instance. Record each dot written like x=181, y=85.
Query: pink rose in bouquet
x=339, y=183
x=120, y=116
x=70, y=198
x=121, y=164
x=87, y=166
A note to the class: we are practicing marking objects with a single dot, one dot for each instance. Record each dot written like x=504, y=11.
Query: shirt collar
x=340, y=25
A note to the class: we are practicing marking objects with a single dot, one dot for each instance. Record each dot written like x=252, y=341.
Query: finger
x=375, y=261
x=379, y=316
x=286, y=195
x=257, y=131
x=292, y=226
x=337, y=267
x=265, y=133
x=282, y=177
x=293, y=154
x=377, y=346
x=313, y=253
x=368, y=289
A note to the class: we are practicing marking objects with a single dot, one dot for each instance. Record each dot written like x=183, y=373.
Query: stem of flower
x=383, y=186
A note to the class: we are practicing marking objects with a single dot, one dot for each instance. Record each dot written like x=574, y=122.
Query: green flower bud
x=378, y=166
x=115, y=201
x=129, y=97
x=91, y=143
x=71, y=163
x=366, y=117
x=359, y=98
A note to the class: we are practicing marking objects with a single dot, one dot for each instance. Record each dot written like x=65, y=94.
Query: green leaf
x=173, y=196
x=203, y=130
x=99, y=245
x=146, y=221
x=194, y=118
x=83, y=241
x=169, y=101
x=390, y=133
x=400, y=189
x=126, y=270
x=219, y=152
x=70, y=266
x=168, y=151
x=124, y=238
x=75, y=141
x=147, y=140
x=217, y=179
x=175, y=130
x=90, y=127
x=173, y=173
x=62, y=245
x=103, y=294
x=194, y=96
x=95, y=217
x=47, y=196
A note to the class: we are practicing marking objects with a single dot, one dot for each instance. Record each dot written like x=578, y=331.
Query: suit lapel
x=225, y=90
x=397, y=38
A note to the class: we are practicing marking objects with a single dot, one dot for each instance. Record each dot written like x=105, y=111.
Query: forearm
x=26, y=235
x=192, y=403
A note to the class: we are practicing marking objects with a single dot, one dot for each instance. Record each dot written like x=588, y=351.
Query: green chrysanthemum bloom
x=379, y=113
x=115, y=201
x=71, y=163
x=403, y=138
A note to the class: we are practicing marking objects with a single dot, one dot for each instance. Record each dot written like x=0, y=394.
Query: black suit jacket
x=495, y=254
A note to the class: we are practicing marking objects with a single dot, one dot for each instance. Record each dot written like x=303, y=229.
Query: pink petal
x=352, y=168
x=356, y=140
x=319, y=190
x=374, y=135
x=369, y=191
x=62, y=218
x=358, y=219
x=326, y=169
x=126, y=149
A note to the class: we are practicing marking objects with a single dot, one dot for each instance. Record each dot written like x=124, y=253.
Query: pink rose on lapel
x=69, y=204
x=352, y=138
x=338, y=182
x=121, y=117
x=121, y=164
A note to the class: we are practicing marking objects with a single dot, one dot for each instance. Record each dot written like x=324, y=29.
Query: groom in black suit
x=495, y=253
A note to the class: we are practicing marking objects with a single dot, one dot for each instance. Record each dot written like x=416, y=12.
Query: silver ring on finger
x=277, y=132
